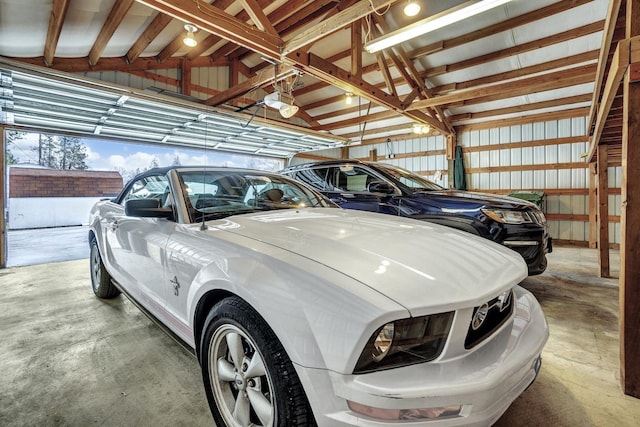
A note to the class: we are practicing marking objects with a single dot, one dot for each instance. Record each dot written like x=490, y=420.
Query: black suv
x=378, y=187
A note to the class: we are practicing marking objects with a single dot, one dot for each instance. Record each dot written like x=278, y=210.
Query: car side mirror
x=147, y=208
x=380, y=187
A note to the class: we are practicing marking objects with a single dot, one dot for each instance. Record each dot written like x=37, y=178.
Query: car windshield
x=217, y=194
x=410, y=179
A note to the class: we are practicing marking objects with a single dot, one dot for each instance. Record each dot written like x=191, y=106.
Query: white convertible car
x=301, y=313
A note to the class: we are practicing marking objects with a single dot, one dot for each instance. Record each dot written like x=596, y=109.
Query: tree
x=61, y=152
x=176, y=161
x=71, y=153
x=12, y=136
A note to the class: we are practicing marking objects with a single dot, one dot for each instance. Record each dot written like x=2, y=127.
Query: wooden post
x=603, y=211
x=185, y=81
x=344, y=152
x=373, y=155
x=629, y=247
x=3, y=195
x=630, y=218
x=593, y=206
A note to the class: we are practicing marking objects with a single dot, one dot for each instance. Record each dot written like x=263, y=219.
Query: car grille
x=488, y=317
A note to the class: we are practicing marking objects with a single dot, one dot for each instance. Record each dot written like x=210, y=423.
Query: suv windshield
x=217, y=194
x=410, y=179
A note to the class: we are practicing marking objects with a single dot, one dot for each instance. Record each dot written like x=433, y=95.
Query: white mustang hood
x=417, y=264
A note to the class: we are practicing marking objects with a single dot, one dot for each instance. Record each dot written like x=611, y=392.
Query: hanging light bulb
x=349, y=98
x=190, y=40
x=421, y=129
x=412, y=8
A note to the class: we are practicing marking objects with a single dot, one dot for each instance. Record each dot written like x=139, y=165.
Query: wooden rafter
x=79, y=65
x=152, y=31
x=386, y=74
x=258, y=17
x=549, y=81
x=58, y=13
x=618, y=68
x=218, y=22
x=117, y=14
x=523, y=108
x=276, y=17
x=516, y=50
x=417, y=81
x=518, y=73
x=261, y=79
x=499, y=27
x=351, y=14
x=609, y=29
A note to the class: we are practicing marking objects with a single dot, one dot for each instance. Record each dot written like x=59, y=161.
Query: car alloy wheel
x=239, y=379
x=248, y=376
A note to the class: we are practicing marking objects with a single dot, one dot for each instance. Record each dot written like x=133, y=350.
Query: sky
x=129, y=157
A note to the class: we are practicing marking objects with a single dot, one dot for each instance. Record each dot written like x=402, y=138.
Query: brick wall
x=35, y=182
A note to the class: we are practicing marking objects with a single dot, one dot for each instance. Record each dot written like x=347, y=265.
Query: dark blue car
x=378, y=187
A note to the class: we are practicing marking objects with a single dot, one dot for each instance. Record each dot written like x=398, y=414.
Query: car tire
x=100, y=278
x=248, y=377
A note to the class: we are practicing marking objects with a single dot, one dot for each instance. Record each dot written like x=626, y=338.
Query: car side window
x=315, y=177
x=350, y=178
x=149, y=187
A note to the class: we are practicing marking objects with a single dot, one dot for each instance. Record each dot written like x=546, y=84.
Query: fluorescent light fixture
x=432, y=23
x=190, y=40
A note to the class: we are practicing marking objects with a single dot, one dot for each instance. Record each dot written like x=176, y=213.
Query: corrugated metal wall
x=543, y=156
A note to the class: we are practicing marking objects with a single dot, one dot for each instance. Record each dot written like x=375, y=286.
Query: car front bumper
x=482, y=383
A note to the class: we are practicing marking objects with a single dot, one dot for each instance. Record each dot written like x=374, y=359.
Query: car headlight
x=507, y=217
x=405, y=342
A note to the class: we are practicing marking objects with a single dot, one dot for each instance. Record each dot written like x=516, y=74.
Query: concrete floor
x=44, y=245
x=70, y=359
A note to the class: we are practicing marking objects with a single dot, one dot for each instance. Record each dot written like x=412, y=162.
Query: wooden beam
x=603, y=212
x=549, y=81
x=329, y=73
x=220, y=23
x=535, y=167
x=356, y=43
x=285, y=23
x=517, y=50
x=386, y=74
x=500, y=27
x=369, y=118
x=149, y=34
x=258, y=17
x=261, y=79
x=630, y=219
x=525, y=144
x=522, y=108
x=341, y=19
x=58, y=13
x=117, y=14
x=605, y=48
x=185, y=77
x=619, y=64
x=569, y=61
x=533, y=118
x=81, y=65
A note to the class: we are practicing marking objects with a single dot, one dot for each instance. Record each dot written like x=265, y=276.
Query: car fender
x=313, y=300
